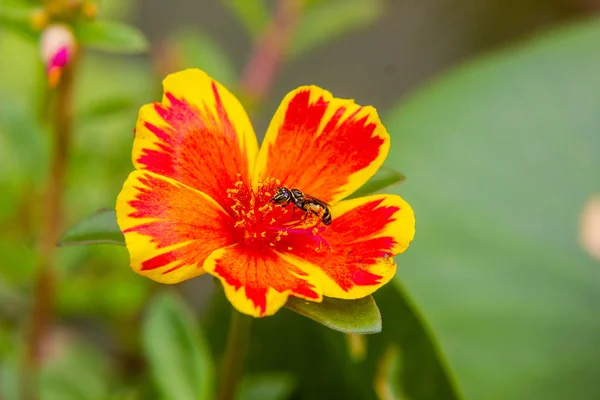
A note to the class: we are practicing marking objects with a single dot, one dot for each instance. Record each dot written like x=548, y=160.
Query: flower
x=57, y=46
x=199, y=200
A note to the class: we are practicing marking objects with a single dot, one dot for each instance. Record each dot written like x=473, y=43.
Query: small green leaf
x=98, y=228
x=253, y=15
x=17, y=19
x=383, y=179
x=179, y=358
x=349, y=316
x=278, y=386
x=111, y=36
x=326, y=20
x=198, y=50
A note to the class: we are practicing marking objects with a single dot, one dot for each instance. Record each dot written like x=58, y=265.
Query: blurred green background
x=494, y=112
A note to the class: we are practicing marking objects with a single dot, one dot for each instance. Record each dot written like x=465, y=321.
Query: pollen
x=258, y=219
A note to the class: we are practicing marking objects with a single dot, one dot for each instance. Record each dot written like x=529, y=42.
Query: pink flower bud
x=57, y=47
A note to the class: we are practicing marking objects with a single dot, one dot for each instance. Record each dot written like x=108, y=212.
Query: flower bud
x=57, y=47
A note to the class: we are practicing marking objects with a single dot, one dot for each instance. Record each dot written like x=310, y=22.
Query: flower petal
x=257, y=281
x=364, y=235
x=324, y=146
x=169, y=227
x=199, y=135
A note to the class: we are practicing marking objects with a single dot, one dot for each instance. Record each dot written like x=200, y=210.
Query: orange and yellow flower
x=199, y=199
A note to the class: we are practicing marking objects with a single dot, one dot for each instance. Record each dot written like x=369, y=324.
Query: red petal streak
x=253, y=268
x=181, y=226
x=197, y=148
x=318, y=144
x=196, y=142
x=358, y=244
x=159, y=261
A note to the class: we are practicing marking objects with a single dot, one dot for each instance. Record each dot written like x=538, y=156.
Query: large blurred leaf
x=359, y=316
x=322, y=21
x=111, y=36
x=502, y=156
x=179, y=359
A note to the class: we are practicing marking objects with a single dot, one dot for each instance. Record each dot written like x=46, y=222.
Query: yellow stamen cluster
x=262, y=220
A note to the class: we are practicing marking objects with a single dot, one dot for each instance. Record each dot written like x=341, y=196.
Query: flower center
x=279, y=227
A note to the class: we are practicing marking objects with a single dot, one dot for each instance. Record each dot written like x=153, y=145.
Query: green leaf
x=110, y=36
x=383, y=180
x=278, y=386
x=502, y=155
x=198, y=50
x=350, y=316
x=98, y=228
x=17, y=19
x=321, y=360
x=179, y=359
x=253, y=15
x=326, y=20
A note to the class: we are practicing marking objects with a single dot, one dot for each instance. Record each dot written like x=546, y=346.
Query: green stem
x=238, y=341
x=44, y=290
x=256, y=81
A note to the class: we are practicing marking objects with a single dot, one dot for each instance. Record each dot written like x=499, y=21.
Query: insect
x=305, y=202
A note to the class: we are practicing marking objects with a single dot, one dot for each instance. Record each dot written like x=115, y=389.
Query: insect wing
x=315, y=200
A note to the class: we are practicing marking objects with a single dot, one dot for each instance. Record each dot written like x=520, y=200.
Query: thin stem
x=256, y=81
x=43, y=298
x=238, y=341
x=260, y=71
